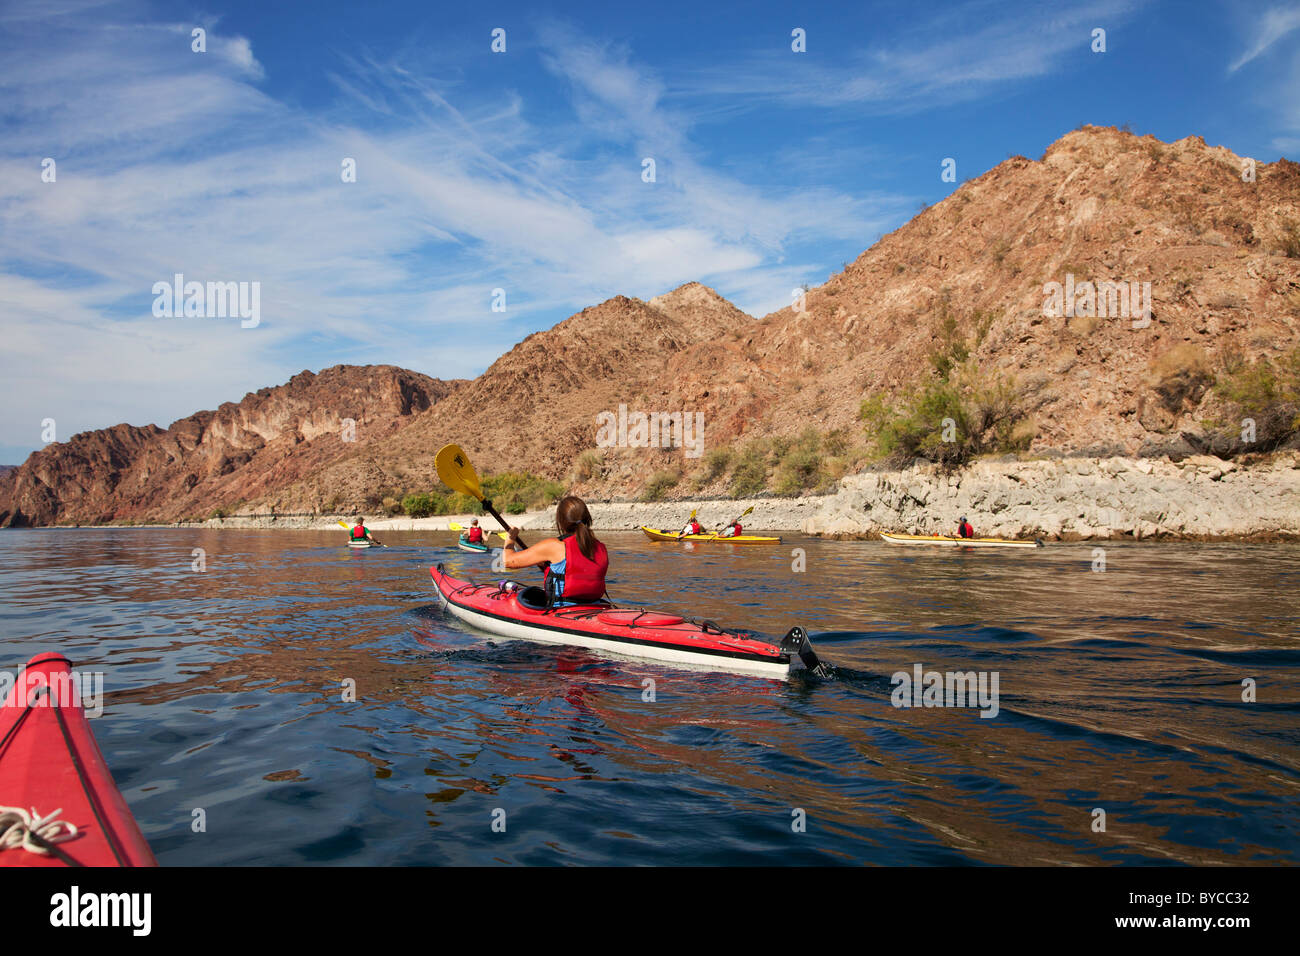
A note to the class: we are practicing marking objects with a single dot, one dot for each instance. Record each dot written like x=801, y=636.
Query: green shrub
x=509, y=492
x=952, y=350
x=749, y=477
x=836, y=441
x=1181, y=373
x=1265, y=391
x=514, y=488
x=420, y=506
x=459, y=503
x=951, y=422
x=961, y=413
x=716, y=464
x=800, y=470
x=588, y=466
x=658, y=485
x=1289, y=245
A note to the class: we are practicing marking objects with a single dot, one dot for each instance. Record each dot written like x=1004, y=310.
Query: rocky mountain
x=1208, y=238
x=215, y=459
x=535, y=409
x=1101, y=205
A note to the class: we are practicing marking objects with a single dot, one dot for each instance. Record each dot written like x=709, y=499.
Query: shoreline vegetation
x=1198, y=498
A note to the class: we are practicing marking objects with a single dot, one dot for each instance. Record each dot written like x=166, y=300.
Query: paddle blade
x=343, y=524
x=455, y=471
x=456, y=526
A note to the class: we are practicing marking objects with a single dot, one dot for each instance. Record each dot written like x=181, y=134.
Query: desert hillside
x=967, y=278
x=1100, y=205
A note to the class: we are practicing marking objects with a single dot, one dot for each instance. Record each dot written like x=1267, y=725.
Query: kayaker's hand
x=513, y=541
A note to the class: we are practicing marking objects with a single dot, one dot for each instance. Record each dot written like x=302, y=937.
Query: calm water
x=1119, y=690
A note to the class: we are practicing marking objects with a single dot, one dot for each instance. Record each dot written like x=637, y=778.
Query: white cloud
x=1271, y=27
x=950, y=56
x=171, y=161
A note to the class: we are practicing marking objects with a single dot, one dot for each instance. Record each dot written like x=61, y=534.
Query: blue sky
x=521, y=170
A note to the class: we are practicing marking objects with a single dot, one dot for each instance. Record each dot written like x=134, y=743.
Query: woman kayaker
x=964, y=530
x=732, y=530
x=475, y=534
x=692, y=527
x=359, y=532
x=575, y=562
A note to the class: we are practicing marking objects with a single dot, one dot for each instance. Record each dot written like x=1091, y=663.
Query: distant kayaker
x=692, y=527
x=575, y=562
x=964, y=530
x=359, y=532
x=475, y=534
x=732, y=530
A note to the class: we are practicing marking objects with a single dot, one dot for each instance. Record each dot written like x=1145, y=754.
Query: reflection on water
x=1120, y=690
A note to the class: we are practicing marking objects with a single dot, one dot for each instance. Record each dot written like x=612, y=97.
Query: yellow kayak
x=952, y=541
x=654, y=534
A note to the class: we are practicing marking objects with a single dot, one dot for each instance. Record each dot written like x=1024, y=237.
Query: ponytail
x=572, y=517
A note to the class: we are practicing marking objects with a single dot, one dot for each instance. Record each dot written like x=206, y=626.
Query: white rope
x=17, y=827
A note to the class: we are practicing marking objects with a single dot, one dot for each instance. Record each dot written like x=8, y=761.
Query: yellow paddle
x=718, y=533
x=456, y=472
x=343, y=524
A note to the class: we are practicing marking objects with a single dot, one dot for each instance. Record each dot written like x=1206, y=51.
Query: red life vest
x=695, y=528
x=475, y=535
x=582, y=580
x=359, y=533
x=739, y=529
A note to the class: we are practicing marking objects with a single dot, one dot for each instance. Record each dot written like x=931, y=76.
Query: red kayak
x=49, y=762
x=513, y=611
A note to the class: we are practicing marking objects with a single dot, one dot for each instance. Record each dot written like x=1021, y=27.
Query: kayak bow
x=625, y=632
x=467, y=545
x=49, y=762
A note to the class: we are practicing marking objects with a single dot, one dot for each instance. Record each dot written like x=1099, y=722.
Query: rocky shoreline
x=1062, y=499
x=1076, y=499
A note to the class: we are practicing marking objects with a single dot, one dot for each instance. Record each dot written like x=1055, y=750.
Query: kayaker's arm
x=551, y=550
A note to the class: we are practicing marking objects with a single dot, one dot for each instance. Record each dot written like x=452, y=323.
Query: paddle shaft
x=487, y=506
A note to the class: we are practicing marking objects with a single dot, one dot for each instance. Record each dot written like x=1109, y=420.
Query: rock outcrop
x=216, y=459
